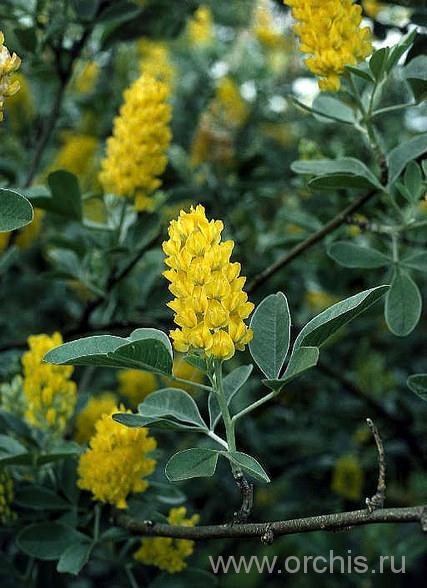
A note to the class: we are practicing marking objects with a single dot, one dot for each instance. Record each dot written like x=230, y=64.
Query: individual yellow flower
x=210, y=305
x=200, y=26
x=167, y=553
x=20, y=106
x=116, y=462
x=155, y=60
x=94, y=409
x=329, y=30
x=87, y=77
x=136, y=152
x=6, y=497
x=348, y=477
x=8, y=65
x=182, y=369
x=264, y=26
x=49, y=393
x=135, y=385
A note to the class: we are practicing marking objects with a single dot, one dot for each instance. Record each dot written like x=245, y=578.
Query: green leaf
x=248, y=463
x=398, y=50
x=40, y=498
x=415, y=261
x=47, y=541
x=403, y=304
x=418, y=384
x=351, y=255
x=321, y=327
x=150, y=350
x=378, y=61
x=15, y=210
x=196, y=361
x=301, y=360
x=271, y=323
x=232, y=383
x=416, y=76
x=360, y=73
x=414, y=180
x=332, y=108
x=74, y=558
x=172, y=403
x=400, y=156
x=344, y=170
x=192, y=463
x=65, y=197
x=11, y=450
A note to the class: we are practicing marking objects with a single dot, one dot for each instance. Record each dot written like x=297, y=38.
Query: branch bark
x=329, y=522
x=299, y=249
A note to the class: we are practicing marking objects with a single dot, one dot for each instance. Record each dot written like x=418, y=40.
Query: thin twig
x=302, y=247
x=377, y=500
x=329, y=522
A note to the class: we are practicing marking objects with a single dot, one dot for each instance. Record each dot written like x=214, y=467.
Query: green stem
x=96, y=523
x=218, y=388
x=189, y=383
x=253, y=406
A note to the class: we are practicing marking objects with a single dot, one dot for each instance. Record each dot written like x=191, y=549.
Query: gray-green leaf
x=15, y=210
x=192, y=463
x=356, y=256
x=248, y=463
x=403, y=304
x=418, y=384
x=271, y=323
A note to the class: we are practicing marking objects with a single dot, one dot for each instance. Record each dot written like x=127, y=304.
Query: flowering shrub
x=212, y=268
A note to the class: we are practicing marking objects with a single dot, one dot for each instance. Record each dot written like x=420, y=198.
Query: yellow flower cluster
x=87, y=77
x=329, y=30
x=210, y=305
x=372, y=7
x=348, y=478
x=200, y=26
x=164, y=552
x=8, y=65
x=135, y=385
x=155, y=60
x=231, y=103
x=77, y=155
x=90, y=414
x=136, y=153
x=50, y=395
x=264, y=27
x=116, y=461
x=6, y=498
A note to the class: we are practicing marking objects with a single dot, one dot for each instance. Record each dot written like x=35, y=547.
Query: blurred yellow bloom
x=135, y=385
x=25, y=236
x=78, y=156
x=6, y=497
x=182, y=369
x=329, y=30
x=210, y=306
x=372, y=7
x=94, y=409
x=116, y=461
x=348, y=478
x=200, y=30
x=87, y=77
x=164, y=552
x=136, y=152
x=4, y=241
x=155, y=60
x=50, y=395
x=230, y=101
x=318, y=300
x=8, y=65
x=265, y=28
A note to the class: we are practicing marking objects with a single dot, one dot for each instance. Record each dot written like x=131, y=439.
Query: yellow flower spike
x=209, y=302
x=136, y=151
x=155, y=60
x=164, y=552
x=8, y=65
x=200, y=27
x=116, y=461
x=49, y=393
x=87, y=418
x=329, y=31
